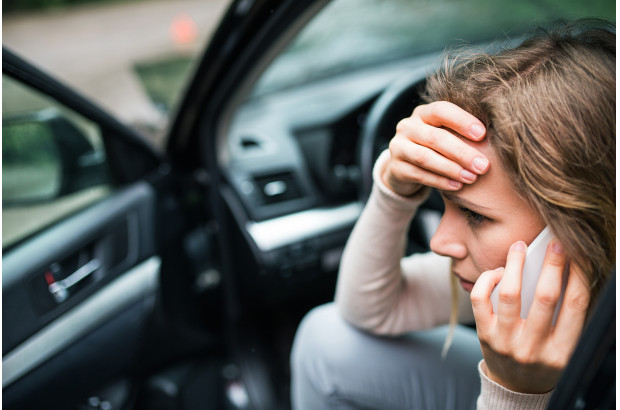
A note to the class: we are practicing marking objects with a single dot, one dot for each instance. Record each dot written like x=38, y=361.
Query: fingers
x=446, y=114
x=428, y=150
x=574, y=308
x=509, y=292
x=509, y=295
x=430, y=159
x=548, y=291
x=445, y=143
x=402, y=170
x=481, y=297
x=528, y=355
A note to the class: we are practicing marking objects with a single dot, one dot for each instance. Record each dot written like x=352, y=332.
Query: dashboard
x=295, y=162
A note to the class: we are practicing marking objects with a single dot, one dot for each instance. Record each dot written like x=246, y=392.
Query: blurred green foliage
x=27, y=143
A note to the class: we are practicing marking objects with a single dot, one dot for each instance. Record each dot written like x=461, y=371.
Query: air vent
x=280, y=187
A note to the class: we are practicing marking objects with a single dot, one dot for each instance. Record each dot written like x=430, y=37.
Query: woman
x=513, y=142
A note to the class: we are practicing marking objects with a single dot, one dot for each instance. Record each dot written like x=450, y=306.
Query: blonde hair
x=454, y=315
x=549, y=109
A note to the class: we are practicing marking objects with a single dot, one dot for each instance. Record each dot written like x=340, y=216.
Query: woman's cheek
x=489, y=255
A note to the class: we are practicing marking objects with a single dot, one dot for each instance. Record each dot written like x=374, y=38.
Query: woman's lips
x=465, y=284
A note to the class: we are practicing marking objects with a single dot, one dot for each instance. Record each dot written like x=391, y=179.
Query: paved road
x=94, y=48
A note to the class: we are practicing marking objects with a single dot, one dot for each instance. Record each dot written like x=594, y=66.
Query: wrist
x=519, y=381
x=496, y=396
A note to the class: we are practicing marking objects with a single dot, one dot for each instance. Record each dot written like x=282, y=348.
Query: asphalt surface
x=94, y=48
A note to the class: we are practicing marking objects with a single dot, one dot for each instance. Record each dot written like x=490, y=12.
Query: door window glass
x=53, y=162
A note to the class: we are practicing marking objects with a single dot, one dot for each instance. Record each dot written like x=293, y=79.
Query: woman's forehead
x=493, y=189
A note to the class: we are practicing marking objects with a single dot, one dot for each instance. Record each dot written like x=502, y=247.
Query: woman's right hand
x=426, y=150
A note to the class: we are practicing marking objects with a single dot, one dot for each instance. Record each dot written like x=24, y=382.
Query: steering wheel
x=395, y=103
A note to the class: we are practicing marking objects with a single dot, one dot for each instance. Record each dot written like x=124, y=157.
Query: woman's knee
x=318, y=336
x=313, y=358
x=334, y=363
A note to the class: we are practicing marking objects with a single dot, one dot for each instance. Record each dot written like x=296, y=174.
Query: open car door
x=82, y=240
x=114, y=256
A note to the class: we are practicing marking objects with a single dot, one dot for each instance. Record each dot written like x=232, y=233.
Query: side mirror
x=45, y=156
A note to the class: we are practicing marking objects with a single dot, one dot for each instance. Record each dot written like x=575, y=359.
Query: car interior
x=177, y=279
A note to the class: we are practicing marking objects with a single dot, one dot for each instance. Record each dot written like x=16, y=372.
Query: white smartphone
x=531, y=271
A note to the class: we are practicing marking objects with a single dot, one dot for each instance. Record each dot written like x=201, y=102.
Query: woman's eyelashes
x=473, y=218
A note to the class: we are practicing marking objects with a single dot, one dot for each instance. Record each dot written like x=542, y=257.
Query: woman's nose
x=447, y=239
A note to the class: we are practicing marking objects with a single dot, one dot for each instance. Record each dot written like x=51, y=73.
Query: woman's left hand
x=528, y=355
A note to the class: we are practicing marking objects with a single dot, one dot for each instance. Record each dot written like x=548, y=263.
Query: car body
x=176, y=278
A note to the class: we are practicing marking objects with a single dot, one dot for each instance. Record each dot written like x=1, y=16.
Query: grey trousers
x=336, y=366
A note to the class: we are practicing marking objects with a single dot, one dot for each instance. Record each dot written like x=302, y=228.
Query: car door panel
x=86, y=367
x=39, y=329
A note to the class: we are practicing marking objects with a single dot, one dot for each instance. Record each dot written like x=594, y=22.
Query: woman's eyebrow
x=464, y=202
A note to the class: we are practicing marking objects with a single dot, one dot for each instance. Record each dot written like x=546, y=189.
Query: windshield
x=352, y=34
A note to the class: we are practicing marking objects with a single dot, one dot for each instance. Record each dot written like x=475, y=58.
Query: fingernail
x=468, y=176
x=519, y=246
x=477, y=130
x=557, y=247
x=455, y=184
x=501, y=268
x=480, y=164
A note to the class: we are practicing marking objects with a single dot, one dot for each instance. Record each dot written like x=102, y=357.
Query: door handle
x=60, y=289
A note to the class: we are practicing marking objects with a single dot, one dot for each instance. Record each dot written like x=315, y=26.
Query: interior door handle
x=60, y=289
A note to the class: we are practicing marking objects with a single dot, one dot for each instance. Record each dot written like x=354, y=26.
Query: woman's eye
x=473, y=218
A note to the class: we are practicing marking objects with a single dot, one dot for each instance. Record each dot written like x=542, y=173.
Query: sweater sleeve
x=380, y=290
x=494, y=396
